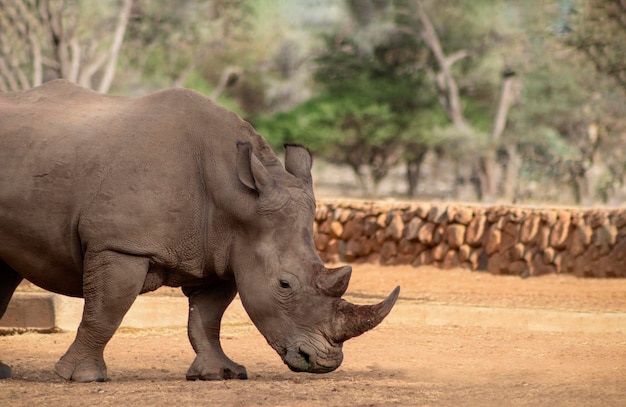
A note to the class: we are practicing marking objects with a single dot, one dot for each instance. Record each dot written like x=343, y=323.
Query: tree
x=46, y=39
x=488, y=169
x=365, y=112
x=177, y=37
x=598, y=29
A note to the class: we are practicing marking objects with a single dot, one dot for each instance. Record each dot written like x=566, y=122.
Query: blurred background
x=494, y=101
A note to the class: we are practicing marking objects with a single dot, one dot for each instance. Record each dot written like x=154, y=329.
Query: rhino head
x=291, y=297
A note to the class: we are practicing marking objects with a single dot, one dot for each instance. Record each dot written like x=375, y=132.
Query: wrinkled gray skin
x=107, y=197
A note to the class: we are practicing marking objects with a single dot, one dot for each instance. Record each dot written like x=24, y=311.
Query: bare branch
x=75, y=59
x=88, y=71
x=451, y=89
x=122, y=23
x=37, y=60
x=3, y=85
x=227, y=76
x=8, y=75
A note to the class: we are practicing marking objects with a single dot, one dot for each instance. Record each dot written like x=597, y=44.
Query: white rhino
x=106, y=197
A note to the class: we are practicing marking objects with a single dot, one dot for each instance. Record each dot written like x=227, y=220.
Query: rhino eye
x=284, y=284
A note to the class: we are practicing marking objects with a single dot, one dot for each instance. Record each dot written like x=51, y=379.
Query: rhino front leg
x=111, y=283
x=206, y=308
x=9, y=280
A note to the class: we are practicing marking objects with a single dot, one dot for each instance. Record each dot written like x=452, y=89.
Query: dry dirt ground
x=401, y=362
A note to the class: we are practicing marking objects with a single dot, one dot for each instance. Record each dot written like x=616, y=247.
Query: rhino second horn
x=353, y=320
x=333, y=282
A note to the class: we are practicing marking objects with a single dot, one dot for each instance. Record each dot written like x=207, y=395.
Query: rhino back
x=85, y=171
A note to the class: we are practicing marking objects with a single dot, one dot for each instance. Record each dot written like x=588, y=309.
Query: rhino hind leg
x=9, y=280
x=206, y=308
x=111, y=283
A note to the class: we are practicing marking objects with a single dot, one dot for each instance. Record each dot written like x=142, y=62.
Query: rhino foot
x=83, y=371
x=203, y=371
x=5, y=371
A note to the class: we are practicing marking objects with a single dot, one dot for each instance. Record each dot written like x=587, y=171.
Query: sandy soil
x=399, y=363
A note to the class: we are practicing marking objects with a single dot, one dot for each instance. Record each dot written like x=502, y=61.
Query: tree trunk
x=492, y=171
x=413, y=170
x=448, y=88
x=511, y=176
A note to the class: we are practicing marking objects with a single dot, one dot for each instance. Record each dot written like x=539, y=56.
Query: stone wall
x=501, y=240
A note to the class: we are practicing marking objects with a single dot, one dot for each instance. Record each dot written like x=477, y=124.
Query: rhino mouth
x=302, y=359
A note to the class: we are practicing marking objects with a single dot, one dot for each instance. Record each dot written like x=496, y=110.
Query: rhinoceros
x=107, y=197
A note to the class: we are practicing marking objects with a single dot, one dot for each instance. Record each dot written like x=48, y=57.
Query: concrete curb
x=46, y=311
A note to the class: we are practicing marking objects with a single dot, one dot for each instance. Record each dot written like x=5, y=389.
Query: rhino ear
x=251, y=172
x=298, y=162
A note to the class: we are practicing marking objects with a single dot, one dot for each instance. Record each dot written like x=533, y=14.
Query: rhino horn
x=333, y=282
x=353, y=320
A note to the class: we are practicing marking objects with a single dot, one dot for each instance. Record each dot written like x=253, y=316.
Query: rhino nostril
x=306, y=357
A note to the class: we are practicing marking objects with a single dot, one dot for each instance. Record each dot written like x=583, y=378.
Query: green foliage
x=371, y=105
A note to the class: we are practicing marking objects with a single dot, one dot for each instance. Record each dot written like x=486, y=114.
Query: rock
x=559, y=261
x=464, y=253
x=5, y=372
x=324, y=227
x=579, y=240
x=380, y=236
x=439, y=251
x=411, y=229
x=332, y=251
x=370, y=226
x=475, y=231
x=423, y=210
x=479, y=258
x=596, y=217
x=530, y=227
x=437, y=214
x=559, y=233
x=450, y=260
x=388, y=251
x=548, y=217
x=604, y=238
x=498, y=263
x=423, y=259
x=321, y=212
x=439, y=234
x=494, y=214
x=321, y=241
x=518, y=267
x=516, y=215
x=345, y=215
x=352, y=230
x=373, y=258
x=405, y=247
x=404, y=258
x=455, y=235
x=618, y=218
x=353, y=250
x=463, y=216
x=336, y=229
x=494, y=237
x=395, y=228
x=425, y=234
x=381, y=220
x=543, y=237
x=544, y=269
x=517, y=252
x=510, y=235
x=548, y=255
